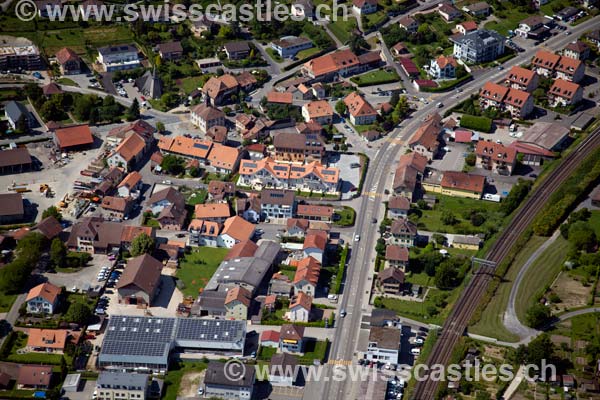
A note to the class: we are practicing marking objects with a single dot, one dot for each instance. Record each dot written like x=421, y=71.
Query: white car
x=357, y=238
x=419, y=340
x=415, y=351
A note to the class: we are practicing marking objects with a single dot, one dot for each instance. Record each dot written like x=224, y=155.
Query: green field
x=441, y=301
x=274, y=55
x=379, y=77
x=508, y=19
x=491, y=323
x=541, y=273
x=594, y=221
x=192, y=83
x=431, y=220
x=6, y=301
x=314, y=350
x=342, y=29
x=75, y=38
x=346, y=215
x=67, y=81
x=176, y=373
x=196, y=268
x=302, y=54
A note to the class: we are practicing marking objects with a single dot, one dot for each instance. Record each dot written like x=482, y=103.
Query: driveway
x=86, y=275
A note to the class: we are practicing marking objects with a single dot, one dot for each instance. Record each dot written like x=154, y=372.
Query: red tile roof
x=77, y=135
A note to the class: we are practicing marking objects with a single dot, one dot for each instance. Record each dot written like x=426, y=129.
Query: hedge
x=482, y=124
x=340, y=273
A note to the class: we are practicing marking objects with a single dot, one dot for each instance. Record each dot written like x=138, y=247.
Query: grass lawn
x=265, y=353
x=20, y=342
x=430, y=220
x=541, y=273
x=176, y=373
x=346, y=216
x=581, y=327
x=75, y=38
x=378, y=77
x=421, y=279
x=594, y=221
x=274, y=55
x=376, y=18
x=314, y=350
x=342, y=29
x=196, y=268
x=67, y=81
x=508, y=19
x=490, y=323
x=438, y=300
x=191, y=83
x=6, y=301
x=196, y=197
x=302, y=54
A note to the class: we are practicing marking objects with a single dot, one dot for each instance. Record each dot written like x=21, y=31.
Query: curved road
x=511, y=319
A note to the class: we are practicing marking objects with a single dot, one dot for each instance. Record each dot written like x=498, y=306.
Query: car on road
x=374, y=220
x=357, y=238
x=343, y=313
x=440, y=105
x=332, y=297
x=568, y=33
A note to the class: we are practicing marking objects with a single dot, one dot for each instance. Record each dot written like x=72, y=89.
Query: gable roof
x=132, y=179
x=291, y=332
x=280, y=97
x=398, y=203
x=244, y=248
x=493, y=91
x=238, y=228
x=76, y=135
x=47, y=338
x=520, y=75
x=427, y=134
x=545, y=59
x=396, y=253
x=212, y=210
x=332, y=62
x=391, y=273
x=46, y=290
x=358, y=106
x=223, y=157
x=316, y=239
x=463, y=181
x=308, y=269
x=497, y=152
x=240, y=294
x=65, y=55
x=12, y=204
x=301, y=300
x=142, y=271
x=517, y=98
x=564, y=89
x=49, y=227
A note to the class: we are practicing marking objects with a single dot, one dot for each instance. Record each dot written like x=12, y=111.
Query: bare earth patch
x=493, y=352
x=571, y=292
x=189, y=384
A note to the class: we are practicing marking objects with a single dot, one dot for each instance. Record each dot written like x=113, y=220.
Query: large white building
x=384, y=345
x=118, y=57
x=478, y=46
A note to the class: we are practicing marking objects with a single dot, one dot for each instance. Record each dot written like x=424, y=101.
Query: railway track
x=463, y=310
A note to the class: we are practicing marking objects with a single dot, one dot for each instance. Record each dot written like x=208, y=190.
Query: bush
x=482, y=124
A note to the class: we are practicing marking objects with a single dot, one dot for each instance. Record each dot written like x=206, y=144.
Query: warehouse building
x=144, y=344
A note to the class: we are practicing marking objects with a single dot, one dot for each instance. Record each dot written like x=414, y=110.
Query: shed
x=72, y=382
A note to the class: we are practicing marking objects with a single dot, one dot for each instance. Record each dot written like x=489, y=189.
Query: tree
x=78, y=313
x=52, y=111
x=470, y=159
x=340, y=107
x=537, y=315
x=448, y=218
x=58, y=252
x=540, y=348
x=357, y=44
x=52, y=211
x=439, y=239
x=582, y=236
x=160, y=127
x=33, y=91
x=477, y=219
x=133, y=112
x=445, y=276
x=394, y=99
x=172, y=164
x=142, y=244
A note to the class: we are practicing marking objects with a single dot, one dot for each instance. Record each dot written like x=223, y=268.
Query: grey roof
x=277, y=196
x=237, y=47
x=212, y=301
x=246, y=270
x=379, y=316
x=386, y=338
x=150, y=85
x=72, y=380
x=117, y=49
x=148, y=340
x=548, y=135
x=14, y=110
x=122, y=380
x=216, y=374
x=478, y=39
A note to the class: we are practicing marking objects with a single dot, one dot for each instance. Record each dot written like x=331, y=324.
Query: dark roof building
x=15, y=160
x=12, y=208
x=140, y=280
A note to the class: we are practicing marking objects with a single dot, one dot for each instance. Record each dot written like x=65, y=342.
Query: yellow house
x=466, y=242
x=456, y=184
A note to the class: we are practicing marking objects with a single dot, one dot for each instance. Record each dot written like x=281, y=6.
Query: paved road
x=13, y=313
x=511, y=319
x=358, y=281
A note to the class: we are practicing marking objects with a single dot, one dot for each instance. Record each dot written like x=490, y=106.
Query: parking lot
x=349, y=172
x=86, y=276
